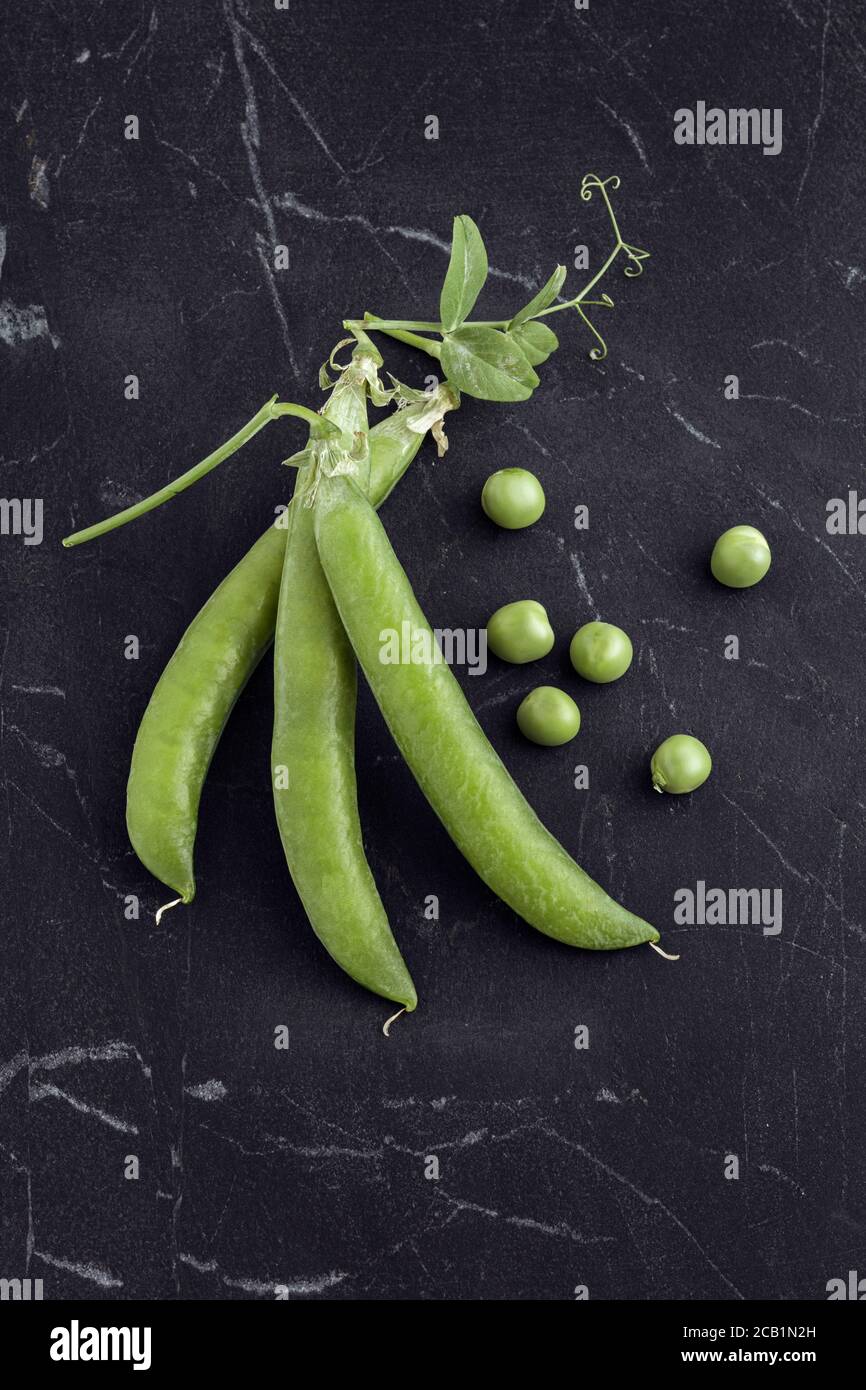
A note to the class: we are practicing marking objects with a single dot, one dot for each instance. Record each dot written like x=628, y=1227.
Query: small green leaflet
x=467, y=271
x=487, y=364
x=299, y=460
x=365, y=342
x=536, y=341
x=543, y=299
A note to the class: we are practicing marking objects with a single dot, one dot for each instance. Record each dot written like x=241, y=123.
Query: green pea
x=740, y=558
x=601, y=652
x=520, y=632
x=680, y=764
x=548, y=716
x=513, y=498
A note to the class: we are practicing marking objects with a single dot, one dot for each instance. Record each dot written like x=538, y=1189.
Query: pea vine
x=495, y=360
x=492, y=360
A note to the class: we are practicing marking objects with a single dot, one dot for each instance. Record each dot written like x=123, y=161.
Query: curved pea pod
x=313, y=747
x=456, y=767
x=313, y=768
x=188, y=709
x=215, y=658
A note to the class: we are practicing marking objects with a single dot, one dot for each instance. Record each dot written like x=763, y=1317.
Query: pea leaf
x=536, y=341
x=487, y=364
x=543, y=299
x=467, y=271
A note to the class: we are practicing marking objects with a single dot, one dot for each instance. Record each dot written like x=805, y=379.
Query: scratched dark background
x=557, y=1167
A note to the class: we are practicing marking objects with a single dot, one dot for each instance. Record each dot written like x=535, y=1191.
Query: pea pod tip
x=386, y=1026
x=166, y=907
x=665, y=954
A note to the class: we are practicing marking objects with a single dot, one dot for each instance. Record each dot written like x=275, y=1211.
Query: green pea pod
x=313, y=749
x=215, y=658
x=451, y=758
x=189, y=707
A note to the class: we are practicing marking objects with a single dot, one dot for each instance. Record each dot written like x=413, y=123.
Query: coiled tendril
x=635, y=256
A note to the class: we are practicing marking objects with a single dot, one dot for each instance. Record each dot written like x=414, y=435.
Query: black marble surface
x=558, y=1167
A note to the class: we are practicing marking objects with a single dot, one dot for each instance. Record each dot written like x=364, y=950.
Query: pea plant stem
x=407, y=330
x=590, y=285
x=272, y=410
x=401, y=330
x=420, y=325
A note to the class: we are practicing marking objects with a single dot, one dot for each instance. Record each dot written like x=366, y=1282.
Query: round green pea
x=548, y=716
x=513, y=498
x=520, y=632
x=740, y=558
x=680, y=764
x=601, y=652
